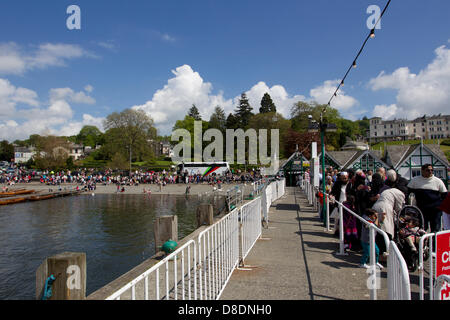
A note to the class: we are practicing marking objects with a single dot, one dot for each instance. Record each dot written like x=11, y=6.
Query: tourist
x=376, y=188
x=338, y=192
x=389, y=204
x=349, y=223
x=382, y=172
x=429, y=191
x=371, y=217
x=394, y=180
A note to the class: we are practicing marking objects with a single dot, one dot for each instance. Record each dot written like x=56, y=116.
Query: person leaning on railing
x=370, y=216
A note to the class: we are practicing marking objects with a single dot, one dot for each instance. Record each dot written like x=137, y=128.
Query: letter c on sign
x=446, y=259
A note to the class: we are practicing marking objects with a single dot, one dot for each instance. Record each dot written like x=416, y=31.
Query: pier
x=31, y=195
x=272, y=247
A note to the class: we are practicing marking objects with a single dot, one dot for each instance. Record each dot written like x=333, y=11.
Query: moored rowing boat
x=11, y=201
x=15, y=193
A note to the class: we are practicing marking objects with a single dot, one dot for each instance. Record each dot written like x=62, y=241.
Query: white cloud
x=10, y=96
x=88, y=88
x=172, y=102
x=323, y=93
x=427, y=92
x=282, y=100
x=14, y=61
x=21, y=115
x=70, y=95
x=187, y=87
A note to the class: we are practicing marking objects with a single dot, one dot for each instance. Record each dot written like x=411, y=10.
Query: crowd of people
x=378, y=198
x=90, y=177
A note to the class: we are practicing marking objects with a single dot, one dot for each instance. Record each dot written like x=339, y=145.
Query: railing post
x=341, y=230
x=205, y=215
x=373, y=266
x=328, y=211
x=69, y=272
x=165, y=228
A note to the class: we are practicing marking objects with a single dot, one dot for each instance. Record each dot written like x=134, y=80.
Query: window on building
x=415, y=172
x=439, y=173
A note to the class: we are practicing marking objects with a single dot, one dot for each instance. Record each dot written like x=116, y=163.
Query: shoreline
x=175, y=189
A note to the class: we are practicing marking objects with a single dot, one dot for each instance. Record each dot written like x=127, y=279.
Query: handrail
x=439, y=283
x=399, y=287
x=383, y=233
x=144, y=276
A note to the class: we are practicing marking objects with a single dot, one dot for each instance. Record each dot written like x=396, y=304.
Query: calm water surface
x=114, y=230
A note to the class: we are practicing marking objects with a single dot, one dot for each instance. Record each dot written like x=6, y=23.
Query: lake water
x=114, y=230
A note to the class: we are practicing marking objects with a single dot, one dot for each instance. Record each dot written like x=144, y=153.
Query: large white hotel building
x=433, y=127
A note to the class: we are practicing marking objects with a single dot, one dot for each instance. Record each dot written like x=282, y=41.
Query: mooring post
x=205, y=215
x=165, y=228
x=62, y=277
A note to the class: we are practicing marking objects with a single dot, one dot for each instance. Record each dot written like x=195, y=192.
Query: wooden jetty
x=35, y=196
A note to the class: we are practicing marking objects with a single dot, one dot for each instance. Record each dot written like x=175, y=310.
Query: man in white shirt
x=429, y=191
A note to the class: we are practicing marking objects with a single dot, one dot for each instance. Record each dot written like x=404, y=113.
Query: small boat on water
x=11, y=201
x=43, y=197
x=15, y=193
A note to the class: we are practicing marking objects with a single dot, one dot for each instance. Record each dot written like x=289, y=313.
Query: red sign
x=443, y=261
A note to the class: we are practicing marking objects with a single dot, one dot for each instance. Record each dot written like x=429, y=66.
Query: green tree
x=243, y=112
x=51, y=152
x=267, y=104
x=188, y=124
x=271, y=120
x=194, y=113
x=231, y=122
x=6, y=151
x=218, y=119
x=128, y=133
x=89, y=136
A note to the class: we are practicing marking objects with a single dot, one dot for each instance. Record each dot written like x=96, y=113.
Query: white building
x=434, y=127
x=23, y=154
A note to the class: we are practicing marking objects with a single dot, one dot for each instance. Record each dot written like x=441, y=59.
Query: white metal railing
x=272, y=192
x=430, y=239
x=177, y=272
x=442, y=281
x=234, y=197
x=250, y=226
x=258, y=186
x=218, y=251
x=201, y=269
x=310, y=191
x=280, y=188
x=398, y=275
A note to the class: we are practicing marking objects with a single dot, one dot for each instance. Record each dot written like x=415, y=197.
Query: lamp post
x=322, y=127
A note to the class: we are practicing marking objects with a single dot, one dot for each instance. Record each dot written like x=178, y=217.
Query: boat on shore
x=15, y=193
x=11, y=201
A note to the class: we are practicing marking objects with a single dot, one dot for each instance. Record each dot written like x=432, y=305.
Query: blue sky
x=162, y=56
